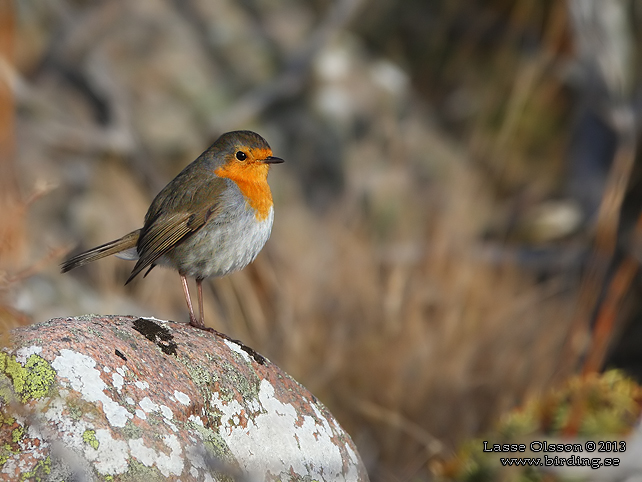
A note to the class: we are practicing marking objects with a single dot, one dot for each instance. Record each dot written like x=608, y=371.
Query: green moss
x=6, y=419
x=5, y=452
x=89, y=436
x=17, y=433
x=42, y=468
x=604, y=406
x=608, y=404
x=33, y=380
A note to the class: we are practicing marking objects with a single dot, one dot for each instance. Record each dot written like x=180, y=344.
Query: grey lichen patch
x=88, y=317
x=234, y=383
x=292, y=477
x=212, y=358
x=198, y=374
x=215, y=446
x=7, y=394
x=124, y=336
x=77, y=333
x=201, y=377
x=223, y=477
x=95, y=332
x=76, y=407
x=132, y=431
x=138, y=471
x=154, y=419
x=75, y=413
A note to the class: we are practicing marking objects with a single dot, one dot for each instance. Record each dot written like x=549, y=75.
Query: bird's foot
x=201, y=326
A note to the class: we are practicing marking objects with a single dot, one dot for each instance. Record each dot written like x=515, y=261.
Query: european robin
x=210, y=220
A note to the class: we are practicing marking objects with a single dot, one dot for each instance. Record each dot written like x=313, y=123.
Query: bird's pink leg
x=192, y=318
x=201, y=315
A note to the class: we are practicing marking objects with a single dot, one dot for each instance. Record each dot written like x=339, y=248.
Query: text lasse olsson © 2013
x=556, y=461
x=544, y=446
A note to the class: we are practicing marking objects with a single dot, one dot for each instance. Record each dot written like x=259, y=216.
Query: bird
x=211, y=220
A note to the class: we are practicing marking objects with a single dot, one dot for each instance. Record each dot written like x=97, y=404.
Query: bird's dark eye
x=241, y=156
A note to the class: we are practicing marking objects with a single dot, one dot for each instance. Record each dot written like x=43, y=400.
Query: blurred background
x=456, y=222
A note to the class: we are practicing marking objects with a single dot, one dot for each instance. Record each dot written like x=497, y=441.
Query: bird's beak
x=273, y=160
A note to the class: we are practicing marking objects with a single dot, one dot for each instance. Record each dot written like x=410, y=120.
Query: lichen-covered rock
x=130, y=399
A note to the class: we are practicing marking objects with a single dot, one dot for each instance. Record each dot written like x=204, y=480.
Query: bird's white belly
x=220, y=248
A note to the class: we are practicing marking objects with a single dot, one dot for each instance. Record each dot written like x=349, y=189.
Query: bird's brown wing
x=165, y=231
x=178, y=211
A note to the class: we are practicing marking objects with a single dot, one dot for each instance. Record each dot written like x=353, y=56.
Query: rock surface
x=128, y=399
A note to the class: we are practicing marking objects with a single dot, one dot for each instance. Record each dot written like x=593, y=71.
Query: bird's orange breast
x=252, y=181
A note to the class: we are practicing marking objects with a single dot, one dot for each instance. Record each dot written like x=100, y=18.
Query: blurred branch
x=602, y=36
x=390, y=417
x=608, y=313
x=199, y=23
x=526, y=80
x=12, y=219
x=292, y=79
x=605, y=242
x=13, y=209
x=77, y=37
x=8, y=181
x=75, y=55
x=53, y=255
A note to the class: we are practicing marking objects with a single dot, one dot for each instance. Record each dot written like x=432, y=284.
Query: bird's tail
x=126, y=246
